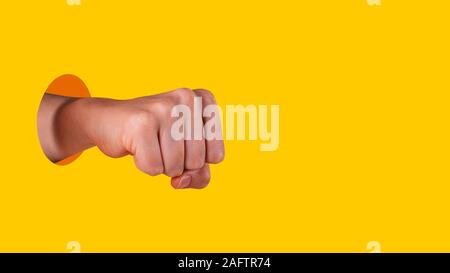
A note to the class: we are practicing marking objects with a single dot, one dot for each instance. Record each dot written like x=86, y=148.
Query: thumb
x=196, y=179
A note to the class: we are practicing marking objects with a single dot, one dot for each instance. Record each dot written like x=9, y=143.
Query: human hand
x=140, y=127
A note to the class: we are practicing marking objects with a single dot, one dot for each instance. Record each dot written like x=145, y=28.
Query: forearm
x=62, y=126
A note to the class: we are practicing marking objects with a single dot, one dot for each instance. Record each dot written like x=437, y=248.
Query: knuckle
x=216, y=157
x=155, y=171
x=163, y=106
x=206, y=94
x=174, y=171
x=184, y=94
x=150, y=170
x=139, y=119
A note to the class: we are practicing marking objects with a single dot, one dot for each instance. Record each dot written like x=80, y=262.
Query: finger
x=194, y=144
x=172, y=152
x=147, y=154
x=195, y=154
x=195, y=179
x=215, y=150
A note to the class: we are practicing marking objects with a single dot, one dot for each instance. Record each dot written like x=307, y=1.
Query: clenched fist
x=141, y=127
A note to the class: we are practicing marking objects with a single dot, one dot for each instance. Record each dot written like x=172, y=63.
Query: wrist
x=85, y=115
x=93, y=118
x=72, y=126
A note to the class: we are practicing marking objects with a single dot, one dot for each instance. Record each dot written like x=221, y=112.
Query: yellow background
x=364, y=134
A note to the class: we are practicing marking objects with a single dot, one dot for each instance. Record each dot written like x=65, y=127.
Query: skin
x=139, y=127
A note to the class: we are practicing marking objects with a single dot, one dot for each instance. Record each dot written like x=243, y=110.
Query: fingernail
x=185, y=181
